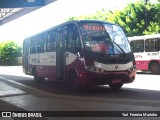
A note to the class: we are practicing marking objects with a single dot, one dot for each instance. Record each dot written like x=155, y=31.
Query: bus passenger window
x=41, y=44
x=147, y=46
x=71, y=43
x=78, y=45
x=137, y=46
x=33, y=47
x=151, y=45
x=51, y=42
x=158, y=45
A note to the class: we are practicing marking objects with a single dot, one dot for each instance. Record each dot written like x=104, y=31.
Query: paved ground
x=15, y=96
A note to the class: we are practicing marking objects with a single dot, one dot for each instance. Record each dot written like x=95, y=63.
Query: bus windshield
x=106, y=38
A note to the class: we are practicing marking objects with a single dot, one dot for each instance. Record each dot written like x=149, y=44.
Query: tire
x=74, y=83
x=155, y=68
x=37, y=78
x=116, y=86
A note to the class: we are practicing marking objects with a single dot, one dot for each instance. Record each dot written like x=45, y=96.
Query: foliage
x=154, y=20
x=99, y=15
x=9, y=50
x=136, y=18
x=131, y=18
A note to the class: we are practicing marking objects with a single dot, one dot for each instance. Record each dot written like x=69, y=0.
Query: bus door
x=25, y=57
x=73, y=45
x=60, y=54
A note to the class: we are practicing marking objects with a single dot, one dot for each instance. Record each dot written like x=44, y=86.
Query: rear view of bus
x=107, y=55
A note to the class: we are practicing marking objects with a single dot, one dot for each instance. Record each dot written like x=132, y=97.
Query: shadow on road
x=95, y=91
x=144, y=72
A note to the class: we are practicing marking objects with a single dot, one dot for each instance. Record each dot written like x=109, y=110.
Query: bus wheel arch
x=154, y=67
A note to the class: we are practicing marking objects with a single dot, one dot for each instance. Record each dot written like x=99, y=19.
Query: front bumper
x=92, y=78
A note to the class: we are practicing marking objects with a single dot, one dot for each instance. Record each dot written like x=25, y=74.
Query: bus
x=147, y=52
x=81, y=53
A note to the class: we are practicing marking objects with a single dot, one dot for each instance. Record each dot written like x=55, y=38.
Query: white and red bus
x=81, y=53
x=147, y=52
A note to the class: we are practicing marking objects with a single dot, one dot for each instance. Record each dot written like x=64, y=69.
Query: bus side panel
x=76, y=64
x=47, y=72
x=44, y=64
x=142, y=65
x=142, y=61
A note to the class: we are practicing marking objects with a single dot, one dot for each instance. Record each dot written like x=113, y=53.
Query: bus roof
x=72, y=21
x=98, y=21
x=144, y=37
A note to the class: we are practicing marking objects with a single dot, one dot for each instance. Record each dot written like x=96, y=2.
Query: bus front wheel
x=74, y=83
x=116, y=86
x=155, y=68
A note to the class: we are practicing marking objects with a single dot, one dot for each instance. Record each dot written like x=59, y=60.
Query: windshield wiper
x=116, y=44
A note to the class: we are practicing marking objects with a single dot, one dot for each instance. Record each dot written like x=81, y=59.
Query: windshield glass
x=96, y=38
x=117, y=36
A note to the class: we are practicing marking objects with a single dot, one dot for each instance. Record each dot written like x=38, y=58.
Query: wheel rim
x=154, y=69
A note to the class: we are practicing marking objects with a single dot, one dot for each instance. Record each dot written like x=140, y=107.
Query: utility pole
x=146, y=14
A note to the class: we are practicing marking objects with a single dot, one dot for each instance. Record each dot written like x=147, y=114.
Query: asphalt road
x=141, y=95
x=145, y=86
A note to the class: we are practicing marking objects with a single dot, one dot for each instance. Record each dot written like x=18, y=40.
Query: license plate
x=116, y=81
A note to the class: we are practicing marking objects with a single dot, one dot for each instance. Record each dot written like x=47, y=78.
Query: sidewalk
x=11, y=70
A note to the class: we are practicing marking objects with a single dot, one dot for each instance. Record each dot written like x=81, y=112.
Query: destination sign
x=94, y=27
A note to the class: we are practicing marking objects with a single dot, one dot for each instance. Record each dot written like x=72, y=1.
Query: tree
x=136, y=18
x=139, y=18
x=99, y=15
x=153, y=17
x=9, y=50
x=131, y=18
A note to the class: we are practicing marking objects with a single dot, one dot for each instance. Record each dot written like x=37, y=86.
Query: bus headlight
x=133, y=68
x=94, y=69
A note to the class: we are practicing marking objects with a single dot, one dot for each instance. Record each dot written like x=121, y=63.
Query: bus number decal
x=152, y=54
x=138, y=56
x=35, y=60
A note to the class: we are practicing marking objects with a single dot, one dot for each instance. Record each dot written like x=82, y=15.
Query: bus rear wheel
x=155, y=68
x=37, y=78
x=116, y=86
